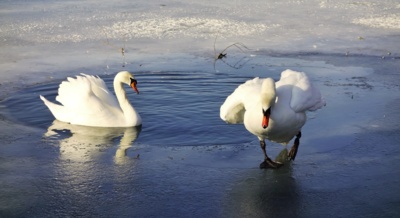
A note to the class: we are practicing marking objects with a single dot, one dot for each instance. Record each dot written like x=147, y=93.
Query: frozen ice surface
x=48, y=36
x=348, y=162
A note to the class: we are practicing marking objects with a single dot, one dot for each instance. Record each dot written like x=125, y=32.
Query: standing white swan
x=273, y=111
x=87, y=101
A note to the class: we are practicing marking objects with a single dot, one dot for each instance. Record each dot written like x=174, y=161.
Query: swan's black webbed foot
x=268, y=163
x=293, y=151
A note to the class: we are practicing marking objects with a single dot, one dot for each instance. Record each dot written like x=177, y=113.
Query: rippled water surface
x=177, y=108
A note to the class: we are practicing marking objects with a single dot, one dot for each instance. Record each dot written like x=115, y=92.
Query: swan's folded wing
x=233, y=109
x=305, y=96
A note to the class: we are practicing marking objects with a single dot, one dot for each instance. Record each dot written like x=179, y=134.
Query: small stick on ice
x=222, y=54
x=121, y=49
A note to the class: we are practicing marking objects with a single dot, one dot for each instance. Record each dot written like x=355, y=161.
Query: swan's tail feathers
x=57, y=110
x=319, y=104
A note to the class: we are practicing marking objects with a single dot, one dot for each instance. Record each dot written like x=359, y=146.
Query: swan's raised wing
x=233, y=109
x=100, y=89
x=84, y=98
x=305, y=96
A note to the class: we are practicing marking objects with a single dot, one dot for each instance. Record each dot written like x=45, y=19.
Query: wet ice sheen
x=186, y=161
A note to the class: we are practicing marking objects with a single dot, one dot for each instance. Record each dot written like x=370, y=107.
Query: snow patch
x=168, y=27
x=154, y=28
x=388, y=22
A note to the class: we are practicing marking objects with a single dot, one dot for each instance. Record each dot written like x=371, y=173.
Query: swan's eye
x=266, y=112
x=133, y=81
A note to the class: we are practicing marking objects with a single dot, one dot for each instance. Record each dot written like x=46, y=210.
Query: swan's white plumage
x=295, y=94
x=86, y=100
x=234, y=107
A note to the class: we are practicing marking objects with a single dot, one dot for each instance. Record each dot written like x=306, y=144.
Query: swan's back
x=304, y=96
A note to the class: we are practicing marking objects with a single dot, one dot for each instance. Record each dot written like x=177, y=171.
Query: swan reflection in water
x=265, y=193
x=83, y=143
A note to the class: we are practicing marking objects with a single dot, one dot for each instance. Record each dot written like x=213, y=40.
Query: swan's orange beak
x=265, y=121
x=133, y=85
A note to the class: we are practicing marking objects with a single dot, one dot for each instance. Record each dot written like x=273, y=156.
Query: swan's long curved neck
x=129, y=112
x=268, y=93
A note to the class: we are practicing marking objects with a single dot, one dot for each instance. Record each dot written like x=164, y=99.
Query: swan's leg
x=268, y=163
x=295, y=147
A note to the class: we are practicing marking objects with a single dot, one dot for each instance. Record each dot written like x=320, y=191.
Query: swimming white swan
x=87, y=101
x=273, y=111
